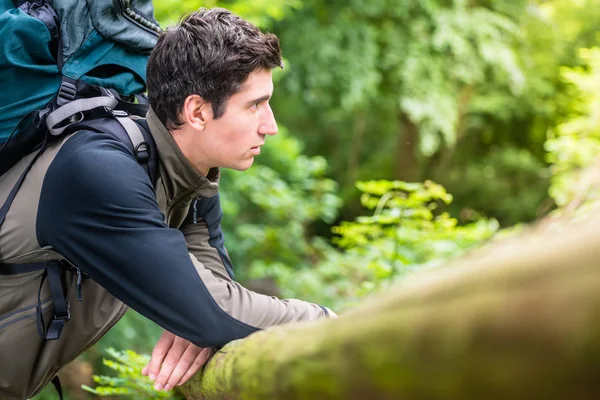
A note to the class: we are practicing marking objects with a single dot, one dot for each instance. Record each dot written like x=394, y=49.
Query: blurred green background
x=410, y=131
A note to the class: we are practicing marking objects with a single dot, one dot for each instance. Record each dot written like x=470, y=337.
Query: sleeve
x=205, y=240
x=98, y=210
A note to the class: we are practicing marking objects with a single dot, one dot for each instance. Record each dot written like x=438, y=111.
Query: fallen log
x=515, y=320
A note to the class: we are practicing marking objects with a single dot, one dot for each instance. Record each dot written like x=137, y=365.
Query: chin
x=244, y=165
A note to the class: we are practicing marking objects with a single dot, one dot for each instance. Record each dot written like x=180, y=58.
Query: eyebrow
x=258, y=100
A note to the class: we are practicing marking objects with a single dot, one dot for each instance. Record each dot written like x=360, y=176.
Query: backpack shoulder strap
x=143, y=146
x=153, y=156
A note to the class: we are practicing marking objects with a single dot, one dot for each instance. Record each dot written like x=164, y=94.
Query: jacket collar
x=180, y=179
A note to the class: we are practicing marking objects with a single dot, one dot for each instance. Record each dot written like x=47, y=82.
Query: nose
x=268, y=125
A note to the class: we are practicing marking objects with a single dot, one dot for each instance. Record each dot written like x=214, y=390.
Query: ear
x=196, y=112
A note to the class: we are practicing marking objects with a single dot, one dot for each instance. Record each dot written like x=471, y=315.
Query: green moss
x=514, y=322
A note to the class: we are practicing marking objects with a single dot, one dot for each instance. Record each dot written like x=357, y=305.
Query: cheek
x=231, y=144
x=243, y=132
x=234, y=137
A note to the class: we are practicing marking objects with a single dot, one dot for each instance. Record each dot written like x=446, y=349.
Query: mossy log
x=514, y=320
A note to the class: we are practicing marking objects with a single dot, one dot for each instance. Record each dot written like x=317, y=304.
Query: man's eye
x=256, y=105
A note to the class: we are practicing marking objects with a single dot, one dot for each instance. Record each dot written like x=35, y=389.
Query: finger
x=159, y=353
x=171, y=360
x=186, y=362
x=199, y=362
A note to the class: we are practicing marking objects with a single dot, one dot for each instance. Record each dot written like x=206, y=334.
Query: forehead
x=258, y=83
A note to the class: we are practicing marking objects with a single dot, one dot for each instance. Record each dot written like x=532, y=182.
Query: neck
x=185, y=144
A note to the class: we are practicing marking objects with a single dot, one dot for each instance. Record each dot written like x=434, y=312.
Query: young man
x=156, y=248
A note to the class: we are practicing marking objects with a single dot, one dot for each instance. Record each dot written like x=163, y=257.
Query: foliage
x=134, y=329
x=129, y=381
x=271, y=206
x=405, y=232
x=369, y=63
x=480, y=91
x=405, y=212
x=508, y=182
x=259, y=12
x=573, y=147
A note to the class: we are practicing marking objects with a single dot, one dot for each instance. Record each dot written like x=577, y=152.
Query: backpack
x=62, y=51
x=65, y=66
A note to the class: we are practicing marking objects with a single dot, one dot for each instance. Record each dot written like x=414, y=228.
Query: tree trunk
x=439, y=164
x=356, y=144
x=519, y=319
x=407, y=167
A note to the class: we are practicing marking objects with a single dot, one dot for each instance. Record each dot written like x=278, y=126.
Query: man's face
x=236, y=137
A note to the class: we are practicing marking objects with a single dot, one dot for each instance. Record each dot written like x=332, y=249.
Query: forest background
x=410, y=132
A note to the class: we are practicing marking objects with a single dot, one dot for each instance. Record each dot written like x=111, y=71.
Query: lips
x=255, y=150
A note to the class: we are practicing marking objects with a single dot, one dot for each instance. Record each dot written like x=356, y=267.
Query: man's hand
x=175, y=360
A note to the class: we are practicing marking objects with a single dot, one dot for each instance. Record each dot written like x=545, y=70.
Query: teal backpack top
x=47, y=47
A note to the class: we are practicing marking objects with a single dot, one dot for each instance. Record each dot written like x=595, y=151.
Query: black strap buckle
x=55, y=329
x=57, y=324
x=62, y=307
x=64, y=317
x=67, y=91
x=142, y=152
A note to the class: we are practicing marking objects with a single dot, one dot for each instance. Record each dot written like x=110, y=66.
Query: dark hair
x=209, y=53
